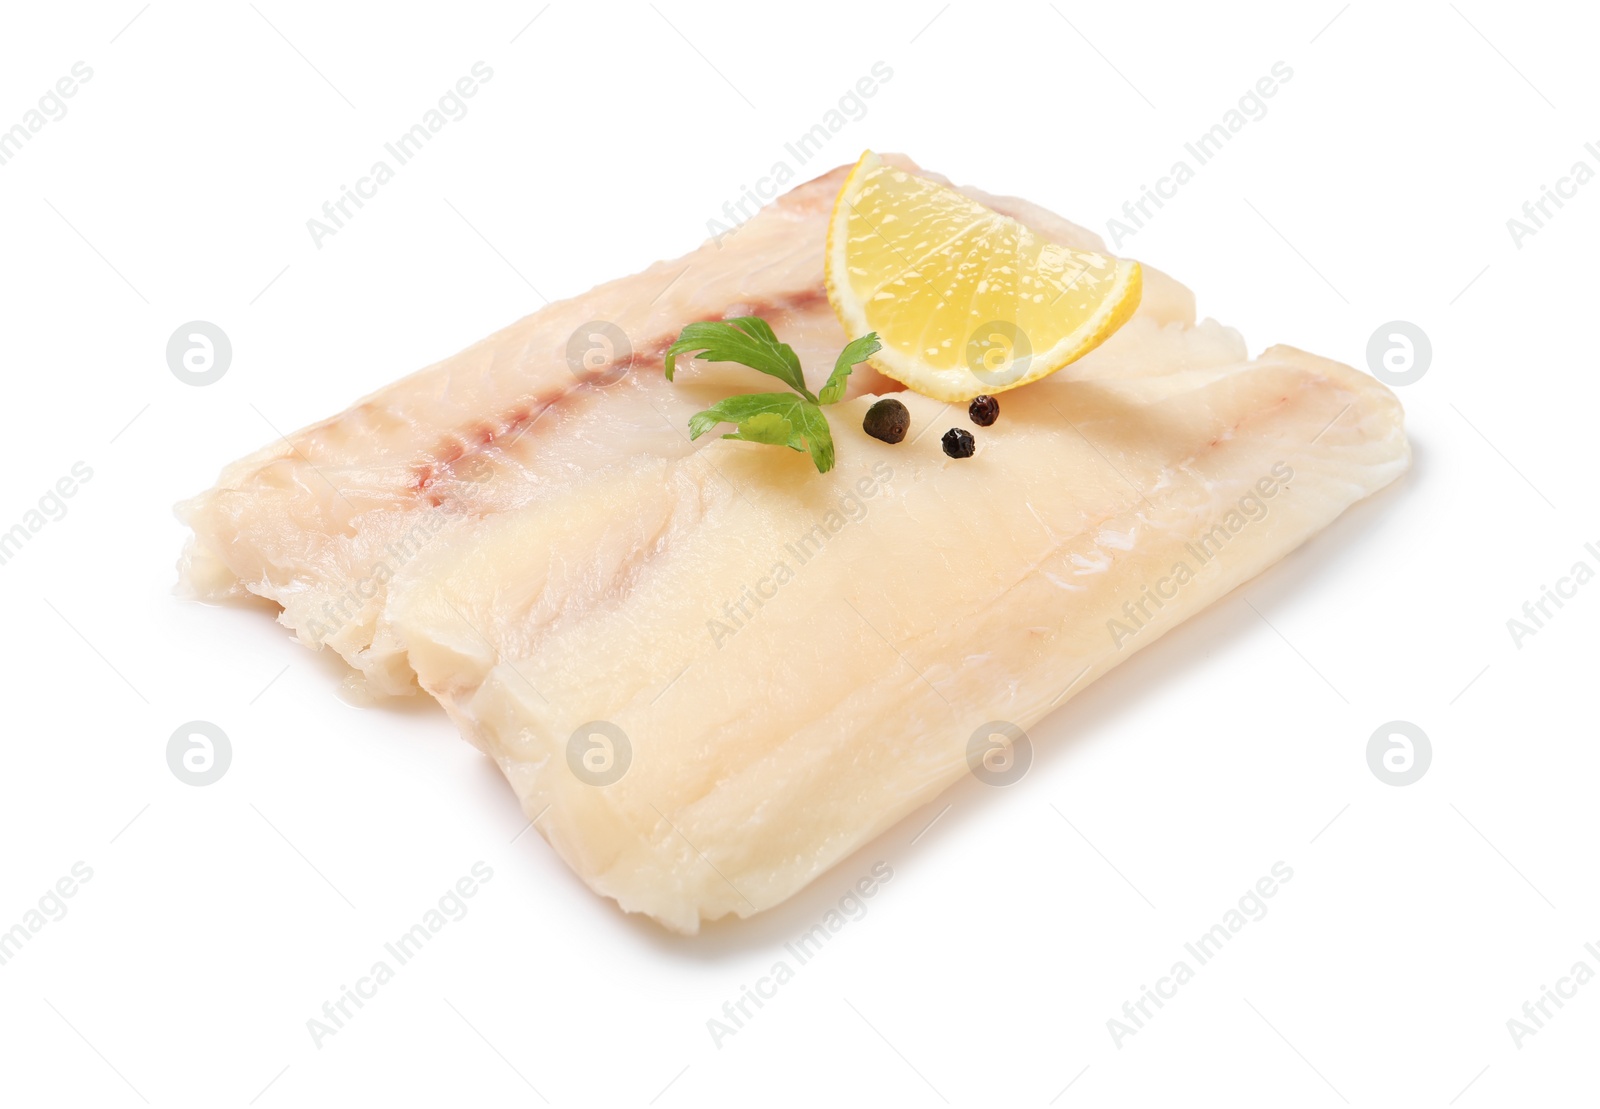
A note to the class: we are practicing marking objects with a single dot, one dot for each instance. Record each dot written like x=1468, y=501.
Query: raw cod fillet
x=792, y=661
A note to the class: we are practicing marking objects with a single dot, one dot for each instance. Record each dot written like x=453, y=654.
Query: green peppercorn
x=887, y=420
x=983, y=410
x=958, y=443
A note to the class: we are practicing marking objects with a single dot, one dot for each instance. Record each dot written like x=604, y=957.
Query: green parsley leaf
x=792, y=420
x=748, y=341
x=766, y=427
x=779, y=419
x=858, y=350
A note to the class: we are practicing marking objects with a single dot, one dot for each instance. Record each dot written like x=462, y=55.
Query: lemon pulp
x=964, y=300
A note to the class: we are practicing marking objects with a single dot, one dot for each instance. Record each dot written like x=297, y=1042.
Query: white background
x=220, y=919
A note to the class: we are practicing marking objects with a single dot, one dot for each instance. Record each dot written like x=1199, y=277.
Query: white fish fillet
x=796, y=660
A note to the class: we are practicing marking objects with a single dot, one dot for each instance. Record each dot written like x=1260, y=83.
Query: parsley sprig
x=793, y=419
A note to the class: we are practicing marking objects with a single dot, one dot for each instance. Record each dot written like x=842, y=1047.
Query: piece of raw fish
x=711, y=672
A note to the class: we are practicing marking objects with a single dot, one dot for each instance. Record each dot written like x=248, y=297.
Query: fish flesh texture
x=711, y=673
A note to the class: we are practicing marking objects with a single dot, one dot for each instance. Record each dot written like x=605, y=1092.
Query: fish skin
x=537, y=576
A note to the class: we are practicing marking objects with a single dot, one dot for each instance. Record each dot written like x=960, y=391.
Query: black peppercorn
x=887, y=420
x=983, y=410
x=958, y=443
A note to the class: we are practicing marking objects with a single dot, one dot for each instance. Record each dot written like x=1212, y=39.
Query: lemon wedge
x=964, y=300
